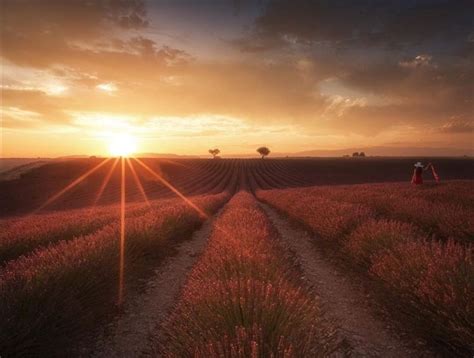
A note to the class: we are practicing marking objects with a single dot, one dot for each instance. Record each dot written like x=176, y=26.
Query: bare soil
x=344, y=300
x=128, y=336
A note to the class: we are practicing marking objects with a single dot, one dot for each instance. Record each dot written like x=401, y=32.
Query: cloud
x=76, y=19
x=445, y=89
x=33, y=101
x=347, y=23
x=107, y=87
x=66, y=49
x=13, y=117
x=255, y=92
x=337, y=106
x=42, y=33
x=457, y=127
x=420, y=61
x=384, y=50
x=385, y=63
x=261, y=94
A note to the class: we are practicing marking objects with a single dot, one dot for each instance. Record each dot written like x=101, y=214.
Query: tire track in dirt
x=342, y=301
x=128, y=336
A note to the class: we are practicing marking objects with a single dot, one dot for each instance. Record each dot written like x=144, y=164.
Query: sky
x=182, y=76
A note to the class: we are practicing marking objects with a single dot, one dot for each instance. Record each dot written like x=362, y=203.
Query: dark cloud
x=411, y=55
x=355, y=23
x=418, y=82
x=73, y=19
x=420, y=61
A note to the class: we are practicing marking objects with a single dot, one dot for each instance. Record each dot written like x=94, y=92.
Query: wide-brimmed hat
x=418, y=165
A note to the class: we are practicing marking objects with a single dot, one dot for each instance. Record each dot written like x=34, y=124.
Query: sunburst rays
x=138, y=182
x=105, y=182
x=122, y=233
x=129, y=163
x=71, y=185
x=171, y=187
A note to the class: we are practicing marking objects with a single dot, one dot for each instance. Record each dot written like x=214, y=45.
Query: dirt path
x=343, y=302
x=128, y=335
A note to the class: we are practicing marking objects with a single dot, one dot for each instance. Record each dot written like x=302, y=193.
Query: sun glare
x=122, y=145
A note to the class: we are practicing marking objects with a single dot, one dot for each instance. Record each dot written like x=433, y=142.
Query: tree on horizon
x=214, y=152
x=263, y=151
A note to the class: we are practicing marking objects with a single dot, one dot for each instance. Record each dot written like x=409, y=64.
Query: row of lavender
x=416, y=241
x=245, y=297
x=66, y=280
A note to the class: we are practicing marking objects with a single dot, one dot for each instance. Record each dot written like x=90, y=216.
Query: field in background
x=14, y=168
x=203, y=176
x=7, y=164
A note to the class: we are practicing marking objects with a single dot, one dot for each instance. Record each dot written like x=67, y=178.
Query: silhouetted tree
x=263, y=151
x=361, y=154
x=214, y=152
x=355, y=154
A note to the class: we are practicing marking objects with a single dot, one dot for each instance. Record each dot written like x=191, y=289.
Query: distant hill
x=164, y=155
x=376, y=151
x=379, y=151
x=138, y=155
x=78, y=156
x=390, y=152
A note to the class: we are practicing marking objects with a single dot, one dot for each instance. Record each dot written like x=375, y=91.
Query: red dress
x=417, y=176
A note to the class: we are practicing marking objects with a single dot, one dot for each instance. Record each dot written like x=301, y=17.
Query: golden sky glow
x=182, y=78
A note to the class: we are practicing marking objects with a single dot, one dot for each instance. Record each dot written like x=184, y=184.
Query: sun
x=122, y=145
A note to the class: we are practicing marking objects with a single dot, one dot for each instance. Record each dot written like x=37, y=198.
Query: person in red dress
x=417, y=178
